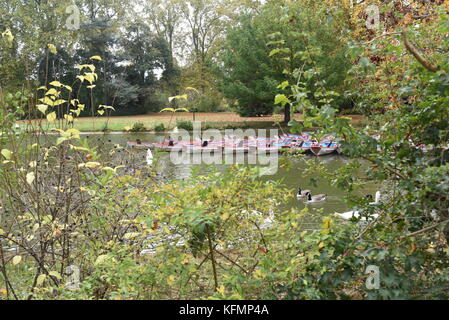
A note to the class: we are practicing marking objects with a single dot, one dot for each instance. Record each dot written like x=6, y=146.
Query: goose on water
x=356, y=214
x=316, y=198
x=302, y=193
x=149, y=157
x=377, y=199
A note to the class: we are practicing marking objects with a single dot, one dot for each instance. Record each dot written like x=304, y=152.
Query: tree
x=249, y=75
x=299, y=25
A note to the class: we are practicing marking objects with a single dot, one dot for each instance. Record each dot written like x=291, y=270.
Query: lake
x=291, y=175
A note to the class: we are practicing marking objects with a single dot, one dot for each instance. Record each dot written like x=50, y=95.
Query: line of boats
x=232, y=145
x=305, y=143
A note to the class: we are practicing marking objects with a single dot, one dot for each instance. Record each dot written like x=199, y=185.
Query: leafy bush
x=160, y=127
x=184, y=124
x=138, y=127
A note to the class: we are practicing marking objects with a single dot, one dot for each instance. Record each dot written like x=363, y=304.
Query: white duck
x=316, y=198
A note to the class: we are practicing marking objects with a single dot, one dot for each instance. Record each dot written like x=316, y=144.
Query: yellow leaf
x=171, y=280
x=52, y=48
x=96, y=58
x=59, y=102
x=55, y=274
x=7, y=154
x=41, y=279
x=51, y=116
x=100, y=112
x=192, y=89
x=92, y=165
x=56, y=84
x=221, y=290
x=167, y=109
x=47, y=101
x=131, y=235
x=102, y=258
x=52, y=92
x=184, y=96
x=30, y=178
x=89, y=77
x=8, y=36
x=42, y=108
x=16, y=260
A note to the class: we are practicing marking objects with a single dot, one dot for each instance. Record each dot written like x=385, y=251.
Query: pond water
x=291, y=175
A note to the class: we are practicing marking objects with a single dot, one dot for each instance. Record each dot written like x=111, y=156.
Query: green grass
x=150, y=122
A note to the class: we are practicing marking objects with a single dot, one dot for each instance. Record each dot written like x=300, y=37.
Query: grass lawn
x=209, y=120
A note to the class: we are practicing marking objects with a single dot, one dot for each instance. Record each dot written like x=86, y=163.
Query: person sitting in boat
x=171, y=142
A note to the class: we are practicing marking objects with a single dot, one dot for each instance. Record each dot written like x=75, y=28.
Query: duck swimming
x=316, y=198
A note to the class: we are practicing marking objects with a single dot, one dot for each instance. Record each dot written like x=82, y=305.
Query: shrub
x=138, y=127
x=160, y=127
x=185, y=124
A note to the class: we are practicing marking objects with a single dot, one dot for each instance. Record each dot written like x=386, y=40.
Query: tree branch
x=415, y=52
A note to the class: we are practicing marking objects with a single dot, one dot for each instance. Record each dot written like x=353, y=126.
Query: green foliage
x=138, y=127
x=184, y=124
x=261, y=54
x=160, y=127
x=250, y=75
x=408, y=240
x=67, y=205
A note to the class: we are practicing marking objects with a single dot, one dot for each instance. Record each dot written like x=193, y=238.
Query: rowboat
x=197, y=149
x=259, y=145
x=140, y=145
x=162, y=147
x=324, y=148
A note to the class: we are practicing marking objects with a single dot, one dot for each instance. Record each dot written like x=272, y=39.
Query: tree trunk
x=287, y=114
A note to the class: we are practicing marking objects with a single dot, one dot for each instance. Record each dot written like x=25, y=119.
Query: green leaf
x=283, y=85
x=281, y=99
